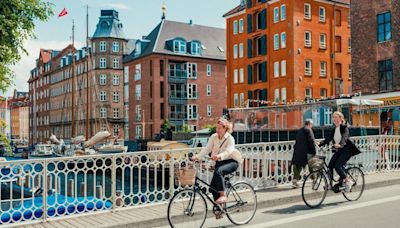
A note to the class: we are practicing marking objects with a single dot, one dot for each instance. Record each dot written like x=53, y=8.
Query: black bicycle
x=188, y=207
x=316, y=184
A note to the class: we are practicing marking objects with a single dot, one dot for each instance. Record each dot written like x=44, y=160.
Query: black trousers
x=337, y=162
x=222, y=168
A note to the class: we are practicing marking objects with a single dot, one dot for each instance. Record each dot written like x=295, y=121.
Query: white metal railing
x=88, y=184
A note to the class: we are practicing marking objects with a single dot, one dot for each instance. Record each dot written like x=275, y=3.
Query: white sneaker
x=348, y=185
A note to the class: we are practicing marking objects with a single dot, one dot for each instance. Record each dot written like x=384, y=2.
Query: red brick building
x=287, y=50
x=177, y=72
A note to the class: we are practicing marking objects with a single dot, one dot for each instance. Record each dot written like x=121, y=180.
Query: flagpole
x=87, y=75
x=73, y=81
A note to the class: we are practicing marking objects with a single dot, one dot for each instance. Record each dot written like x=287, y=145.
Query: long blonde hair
x=226, y=124
x=340, y=114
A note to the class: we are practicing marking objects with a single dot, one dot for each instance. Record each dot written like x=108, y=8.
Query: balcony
x=181, y=97
x=177, y=116
x=180, y=76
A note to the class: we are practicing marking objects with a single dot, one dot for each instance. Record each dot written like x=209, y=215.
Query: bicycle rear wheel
x=242, y=203
x=315, y=188
x=187, y=209
x=356, y=175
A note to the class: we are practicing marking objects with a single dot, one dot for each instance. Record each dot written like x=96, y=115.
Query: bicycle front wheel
x=315, y=188
x=187, y=209
x=356, y=175
x=242, y=203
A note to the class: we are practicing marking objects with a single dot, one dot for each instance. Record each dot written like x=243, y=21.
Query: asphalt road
x=377, y=207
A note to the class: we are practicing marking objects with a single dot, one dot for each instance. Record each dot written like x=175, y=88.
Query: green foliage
x=186, y=129
x=212, y=127
x=166, y=125
x=17, y=19
x=4, y=140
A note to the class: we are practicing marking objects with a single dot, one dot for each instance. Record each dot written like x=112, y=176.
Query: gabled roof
x=237, y=9
x=45, y=55
x=214, y=41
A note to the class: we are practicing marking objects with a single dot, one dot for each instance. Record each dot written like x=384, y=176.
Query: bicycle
x=316, y=186
x=189, y=205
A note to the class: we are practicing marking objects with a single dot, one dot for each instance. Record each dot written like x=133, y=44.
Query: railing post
x=264, y=165
x=380, y=154
x=276, y=168
x=44, y=202
x=113, y=183
x=171, y=174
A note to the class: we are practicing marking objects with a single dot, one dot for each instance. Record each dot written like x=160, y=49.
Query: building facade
x=287, y=50
x=376, y=46
x=19, y=109
x=83, y=88
x=176, y=73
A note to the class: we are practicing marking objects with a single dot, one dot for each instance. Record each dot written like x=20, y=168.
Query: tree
x=17, y=25
x=212, y=128
x=186, y=129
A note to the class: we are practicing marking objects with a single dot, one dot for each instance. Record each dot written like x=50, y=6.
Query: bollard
x=99, y=191
x=71, y=188
x=58, y=185
x=119, y=202
x=19, y=177
x=82, y=189
x=49, y=183
x=26, y=183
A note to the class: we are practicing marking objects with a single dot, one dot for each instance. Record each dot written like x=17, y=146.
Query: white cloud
x=23, y=68
x=119, y=6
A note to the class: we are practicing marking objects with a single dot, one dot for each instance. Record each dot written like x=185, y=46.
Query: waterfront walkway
x=155, y=215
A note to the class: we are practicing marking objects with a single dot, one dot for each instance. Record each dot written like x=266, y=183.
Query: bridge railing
x=44, y=189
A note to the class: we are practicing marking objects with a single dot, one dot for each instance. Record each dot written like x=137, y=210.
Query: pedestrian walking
x=304, y=150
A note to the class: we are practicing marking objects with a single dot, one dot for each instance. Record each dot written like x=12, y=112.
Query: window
x=161, y=89
x=327, y=116
x=283, y=68
x=338, y=18
x=192, y=112
x=315, y=117
x=385, y=75
x=138, y=132
x=322, y=14
x=307, y=39
x=350, y=72
x=308, y=67
x=103, y=79
x=103, y=46
x=235, y=51
x=241, y=95
x=179, y=46
x=103, y=63
x=338, y=44
x=116, y=80
x=307, y=11
x=276, y=41
x=209, y=89
x=138, y=112
x=308, y=93
x=241, y=75
x=276, y=69
x=116, y=113
x=241, y=26
x=322, y=41
x=276, y=95
x=235, y=76
x=283, y=12
x=161, y=68
x=349, y=45
x=138, y=72
x=235, y=27
x=283, y=40
x=322, y=69
x=195, y=48
x=103, y=113
x=324, y=92
x=138, y=48
x=115, y=46
x=115, y=96
x=138, y=92
x=338, y=67
x=116, y=63
x=283, y=92
x=241, y=50
x=276, y=14
x=103, y=96
x=209, y=109
x=116, y=129
x=235, y=100
x=384, y=26
x=208, y=69
x=161, y=110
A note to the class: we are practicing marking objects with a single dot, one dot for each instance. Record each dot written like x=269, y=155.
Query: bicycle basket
x=316, y=163
x=186, y=176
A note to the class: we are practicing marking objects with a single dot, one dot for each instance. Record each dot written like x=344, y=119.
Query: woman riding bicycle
x=221, y=148
x=345, y=149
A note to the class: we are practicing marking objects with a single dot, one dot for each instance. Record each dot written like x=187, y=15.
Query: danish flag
x=63, y=13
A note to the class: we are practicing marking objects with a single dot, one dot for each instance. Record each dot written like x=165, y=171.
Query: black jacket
x=304, y=145
x=345, y=143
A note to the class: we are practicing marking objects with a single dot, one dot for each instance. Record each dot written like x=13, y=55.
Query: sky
x=138, y=17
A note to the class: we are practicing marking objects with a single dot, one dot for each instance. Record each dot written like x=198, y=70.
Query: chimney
x=190, y=22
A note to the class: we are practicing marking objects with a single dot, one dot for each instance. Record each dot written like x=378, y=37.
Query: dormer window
x=195, y=48
x=179, y=46
x=138, y=48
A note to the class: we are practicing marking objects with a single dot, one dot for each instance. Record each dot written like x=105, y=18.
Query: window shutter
x=263, y=1
x=250, y=97
x=249, y=23
x=264, y=19
x=264, y=72
x=263, y=45
x=250, y=74
x=249, y=3
x=264, y=95
x=249, y=48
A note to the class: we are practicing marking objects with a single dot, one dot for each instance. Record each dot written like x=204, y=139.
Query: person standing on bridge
x=221, y=148
x=304, y=149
